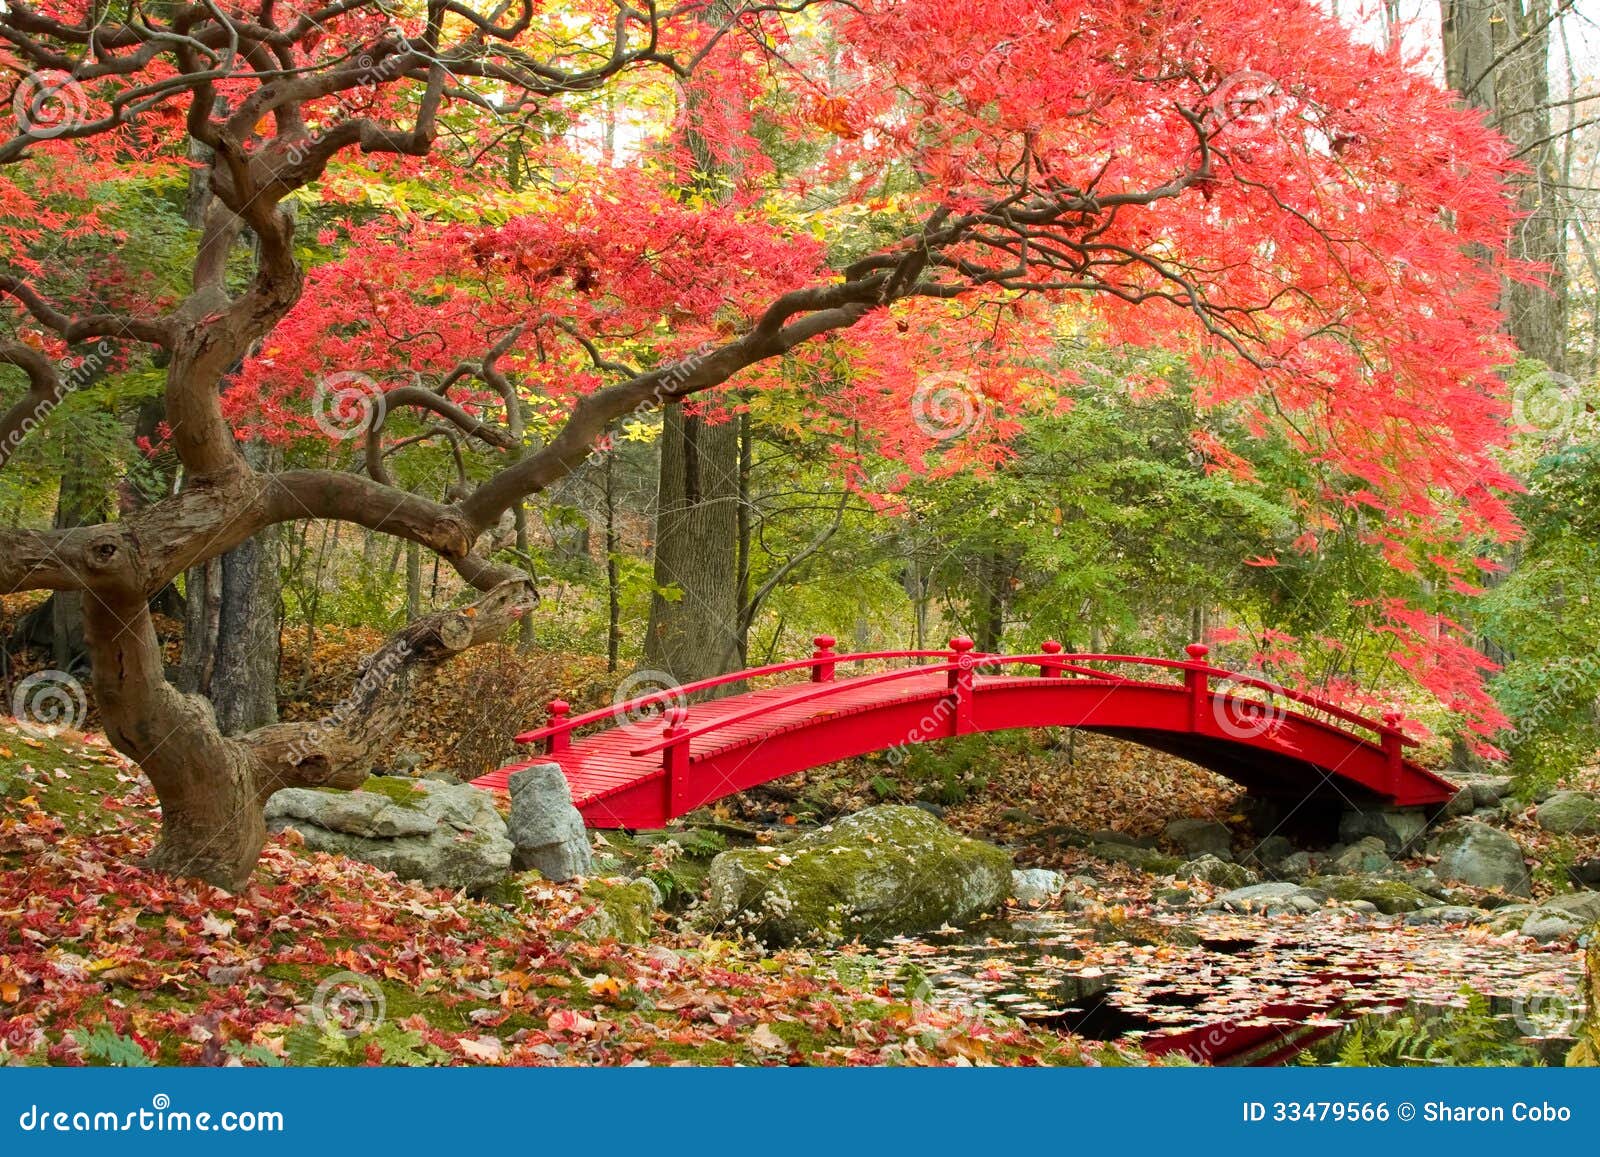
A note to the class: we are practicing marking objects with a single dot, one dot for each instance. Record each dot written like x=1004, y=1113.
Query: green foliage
x=1544, y=618
x=309, y=1045
x=104, y=1044
x=1466, y=1036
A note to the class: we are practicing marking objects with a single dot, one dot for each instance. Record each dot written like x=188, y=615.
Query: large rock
x=1033, y=887
x=1367, y=854
x=1271, y=899
x=547, y=832
x=1570, y=813
x=1217, y=873
x=1201, y=838
x=623, y=910
x=879, y=873
x=1581, y=906
x=1391, y=897
x=445, y=835
x=1485, y=857
x=1400, y=829
x=1145, y=859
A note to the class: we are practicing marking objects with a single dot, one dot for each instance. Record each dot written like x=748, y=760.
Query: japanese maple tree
x=1308, y=219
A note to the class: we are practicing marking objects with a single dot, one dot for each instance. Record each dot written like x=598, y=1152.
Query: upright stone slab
x=1400, y=829
x=547, y=832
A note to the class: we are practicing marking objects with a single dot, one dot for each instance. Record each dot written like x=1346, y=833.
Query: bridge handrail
x=819, y=691
x=1211, y=672
x=667, y=694
x=951, y=660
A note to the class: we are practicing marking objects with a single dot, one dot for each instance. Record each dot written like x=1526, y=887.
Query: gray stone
x=1488, y=791
x=1036, y=886
x=547, y=832
x=1485, y=857
x=1271, y=899
x=1270, y=852
x=1201, y=838
x=1298, y=866
x=1545, y=925
x=1112, y=836
x=1219, y=873
x=1365, y=855
x=1145, y=859
x=1584, y=906
x=1391, y=897
x=1511, y=918
x=443, y=835
x=879, y=873
x=1446, y=914
x=1462, y=803
x=1400, y=829
x=1570, y=813
x=1585, y=874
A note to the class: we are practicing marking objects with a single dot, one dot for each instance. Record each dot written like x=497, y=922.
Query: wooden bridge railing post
x=1391, y=743
x=961, y=682
x=561, y=740
x=675, y=757
x=1197, y=682
x=1048, y=669
x=823, y=672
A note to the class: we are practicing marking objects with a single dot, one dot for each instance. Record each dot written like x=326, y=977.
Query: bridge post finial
x=1048, y=669
x=1197, y=681
x=822, y=672
x=560, y=740
x=675, y=758
x=961, y=672
x=1391, y=739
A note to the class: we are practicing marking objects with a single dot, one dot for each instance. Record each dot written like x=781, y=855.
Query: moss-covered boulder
x=879, y=873
x=623, y=910
x=1391, y=897
x=444, y=835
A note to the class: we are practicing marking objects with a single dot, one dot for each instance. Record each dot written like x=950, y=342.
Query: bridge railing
x=961, y=662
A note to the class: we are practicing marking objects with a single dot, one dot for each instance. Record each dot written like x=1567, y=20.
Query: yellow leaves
x=9, y=992
x=603, y=987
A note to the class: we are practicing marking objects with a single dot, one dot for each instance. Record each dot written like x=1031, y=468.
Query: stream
x=1231, y=988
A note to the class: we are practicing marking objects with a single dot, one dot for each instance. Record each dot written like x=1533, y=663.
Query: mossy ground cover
x=323, y=960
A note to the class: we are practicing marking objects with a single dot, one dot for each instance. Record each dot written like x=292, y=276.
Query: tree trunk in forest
x=1497, y=56
x=81, y=501
x=694, y=630
x=694, y=613
x=230, y=637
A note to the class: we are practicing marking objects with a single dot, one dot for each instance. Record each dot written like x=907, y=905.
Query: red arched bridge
x=661, y=755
